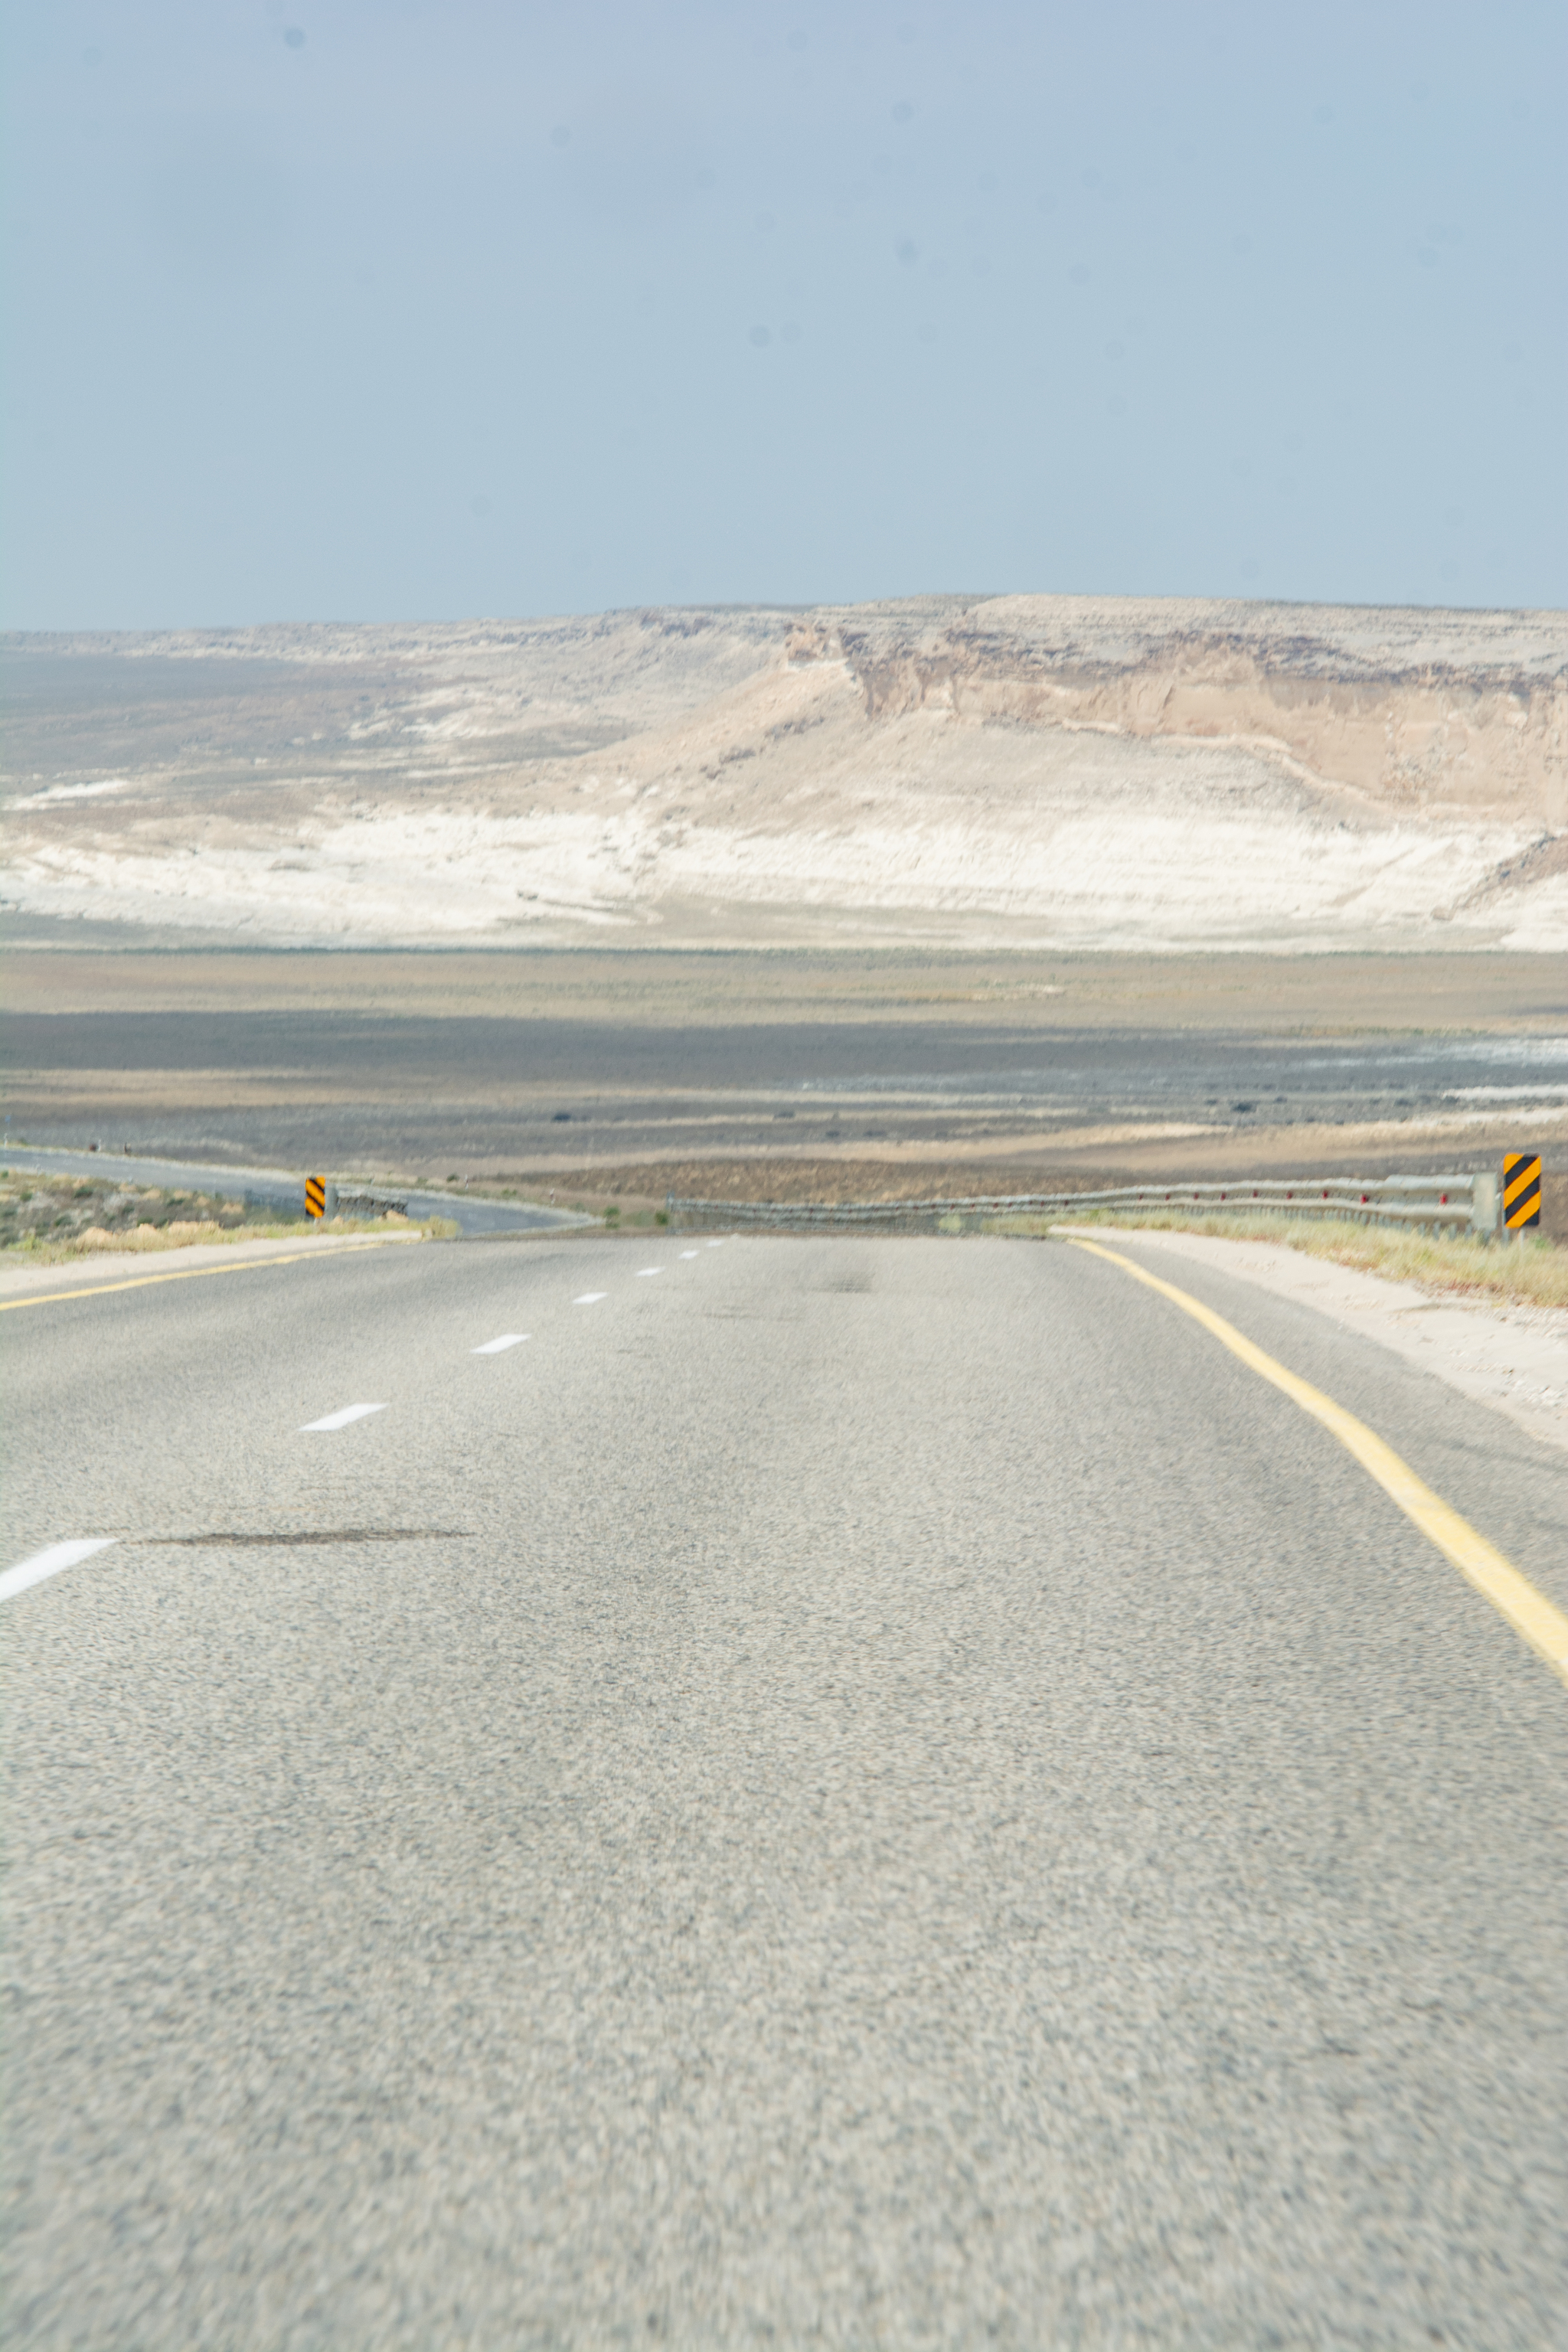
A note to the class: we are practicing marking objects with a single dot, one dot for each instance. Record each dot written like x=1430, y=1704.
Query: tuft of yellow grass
x=1523, y=1274
x=185, y=1234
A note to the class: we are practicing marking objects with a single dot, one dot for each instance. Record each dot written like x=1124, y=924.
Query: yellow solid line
x=195, y=1272
x=1544, y=1627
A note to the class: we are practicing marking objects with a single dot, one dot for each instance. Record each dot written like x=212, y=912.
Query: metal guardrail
x=1468, y=1203
x=369, y=1205
x=329, y=1200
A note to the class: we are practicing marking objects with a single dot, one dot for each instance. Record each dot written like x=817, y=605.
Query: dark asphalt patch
x=231, y=1540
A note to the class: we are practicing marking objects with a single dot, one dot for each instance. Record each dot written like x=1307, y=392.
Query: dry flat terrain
x=1041, y=772
x=801, y=1074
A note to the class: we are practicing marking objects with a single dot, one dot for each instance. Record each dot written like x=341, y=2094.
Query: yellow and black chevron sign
x=316, y=1195
x=1521, y=1189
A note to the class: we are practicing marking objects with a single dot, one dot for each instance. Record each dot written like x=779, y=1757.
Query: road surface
x=836, y=1791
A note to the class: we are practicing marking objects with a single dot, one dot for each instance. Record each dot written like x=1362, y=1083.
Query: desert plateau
x=1015, y=772
x=972, y=892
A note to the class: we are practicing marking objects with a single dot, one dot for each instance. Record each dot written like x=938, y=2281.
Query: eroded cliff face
x=1024, y=771
x=1426, y=712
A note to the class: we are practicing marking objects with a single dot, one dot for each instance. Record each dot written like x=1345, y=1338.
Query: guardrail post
x=1485, y=1192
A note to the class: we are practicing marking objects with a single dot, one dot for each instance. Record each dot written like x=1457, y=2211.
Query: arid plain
x=956, y=892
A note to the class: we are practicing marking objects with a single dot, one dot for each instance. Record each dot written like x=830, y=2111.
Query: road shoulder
x=1514, y=1358
x=124, y=1265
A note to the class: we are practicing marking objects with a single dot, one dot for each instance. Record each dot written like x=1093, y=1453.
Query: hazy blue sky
x=331, y=309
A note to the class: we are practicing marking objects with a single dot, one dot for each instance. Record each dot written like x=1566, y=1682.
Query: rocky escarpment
x=1033, y=772
x=1429, y=710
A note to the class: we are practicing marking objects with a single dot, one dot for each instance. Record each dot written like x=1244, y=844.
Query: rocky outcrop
x=1030, y=770
x=1427, y=710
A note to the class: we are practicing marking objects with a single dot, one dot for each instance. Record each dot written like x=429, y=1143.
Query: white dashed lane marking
x=342, y=1419
x=68, y=1555
x=49, y=1563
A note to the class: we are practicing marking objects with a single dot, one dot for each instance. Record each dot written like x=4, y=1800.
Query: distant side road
x=285, y=1190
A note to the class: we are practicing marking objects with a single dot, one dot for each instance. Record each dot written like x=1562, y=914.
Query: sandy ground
x=1512, y=1357
x=67, y=968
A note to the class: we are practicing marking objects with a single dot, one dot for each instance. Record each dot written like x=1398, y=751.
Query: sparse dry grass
x=1531, y=1274
x=52, y=1220
x=182, y=1233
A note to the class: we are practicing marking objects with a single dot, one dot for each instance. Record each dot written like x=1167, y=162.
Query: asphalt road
x=838, y=1792
x=285, y=1188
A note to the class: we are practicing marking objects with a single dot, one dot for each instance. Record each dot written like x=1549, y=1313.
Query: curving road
x=838, y=1791
x=284, y=1189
